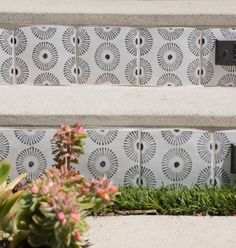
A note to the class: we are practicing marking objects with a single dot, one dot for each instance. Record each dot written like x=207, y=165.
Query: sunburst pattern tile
x=112, y=153
x=27, y=150
x=45, y=55
x=175, y=157
x=222, y=169
x=212, y=74
x=7, y=42
x=107, y=55
x=169, y=57
x=130, y=157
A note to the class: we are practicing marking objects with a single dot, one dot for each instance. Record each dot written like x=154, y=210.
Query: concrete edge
x=186, y=13
x=162, y=232
x=187, y=107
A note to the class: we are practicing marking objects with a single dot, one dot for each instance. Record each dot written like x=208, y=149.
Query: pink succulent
x=76, y=235
x=92, y=184
x=75, y=217
x=67, y=141
x=60, y=216
x=44, y=189
x=112, y=188
x=63, y=222
x=83, y=189
x=67, y=155
x=106, y=198
x=78, y=128
x=100, y=192
x=34, y=189
x=105, y=181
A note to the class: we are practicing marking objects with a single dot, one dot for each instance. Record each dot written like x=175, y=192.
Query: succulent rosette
x=69, y=144
x=55, y=207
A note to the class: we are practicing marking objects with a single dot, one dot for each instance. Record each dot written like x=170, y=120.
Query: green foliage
x=69, y=141
x=55, y=207
x=8, y=204
x=183, y=201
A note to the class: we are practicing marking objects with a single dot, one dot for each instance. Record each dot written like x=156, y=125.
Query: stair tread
x=118, y=12
x=121, y=106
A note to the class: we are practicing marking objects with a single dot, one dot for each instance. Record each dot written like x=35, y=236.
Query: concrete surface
x=106, y=105
x=201, y=13
x=162, y=232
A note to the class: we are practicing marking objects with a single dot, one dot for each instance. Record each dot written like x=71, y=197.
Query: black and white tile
x=174, y=157
x=212, y=74
x=112, y=153
x=107, y=55
x=130, y=157
x=45, y=55
x=27, y=150
x=170, y=57
x=63, y=55
x=7, y=42
x=222, y=169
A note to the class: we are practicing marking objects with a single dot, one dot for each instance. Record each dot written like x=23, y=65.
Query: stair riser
x=149, y=157
x=60, y=55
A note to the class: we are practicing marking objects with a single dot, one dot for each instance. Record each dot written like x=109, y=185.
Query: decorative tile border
x=170, y=56
x=216, y=75
x=222, y=168
x=174, y=157
x=27, y=150
x=130, y=157
x=7, y=42
x=112, y=153
x=107, y=55
x=61, y=55
x=46, y=56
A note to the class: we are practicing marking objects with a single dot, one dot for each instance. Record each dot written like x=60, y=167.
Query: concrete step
x=126, y=110
x=201, y=13
x=162, y=232
x=211, y=108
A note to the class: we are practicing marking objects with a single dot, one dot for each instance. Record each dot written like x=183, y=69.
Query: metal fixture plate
x=233, y=158
x=225, y=52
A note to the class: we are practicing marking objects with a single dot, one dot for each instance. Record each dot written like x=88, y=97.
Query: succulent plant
x=9, y=234
x=54, y=209
x=69, y=142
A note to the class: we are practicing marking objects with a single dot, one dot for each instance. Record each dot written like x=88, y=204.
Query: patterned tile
x=212, y=74
x=27, y=150
x=113, y=154
x=109, y=153
x=107, y=55
x=169, y=57
x=175, y=157
x=58, y=55
x=45, y=55
x=222, y=170
x=150, y=157
x=7, y=42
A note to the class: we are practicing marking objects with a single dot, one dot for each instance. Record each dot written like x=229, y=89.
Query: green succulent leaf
x=9, y=203
x=36, y=240
x=19, y=236
x=12, y=184
x=39, y=231
x=5, y=169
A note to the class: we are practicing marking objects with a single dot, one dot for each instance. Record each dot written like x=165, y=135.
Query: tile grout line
x=213, y=153
x=139, y=156
x=200, y=58
x=138, y=57
x=76, y=53
x=14, y=57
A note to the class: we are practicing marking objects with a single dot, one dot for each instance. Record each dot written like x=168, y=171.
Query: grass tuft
x=183, y=201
